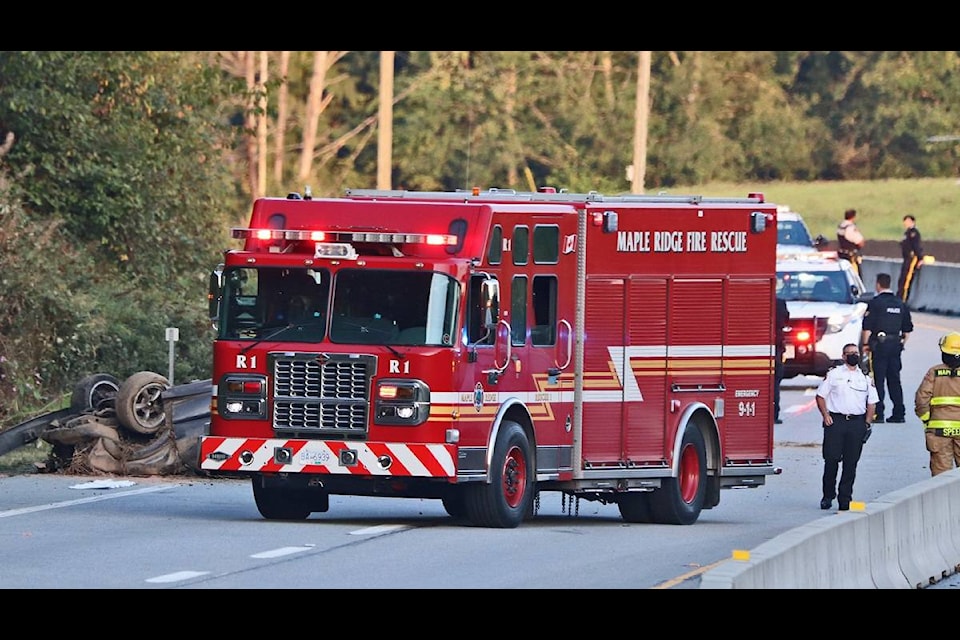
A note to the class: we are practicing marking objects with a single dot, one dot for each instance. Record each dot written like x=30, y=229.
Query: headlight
x=402, y=402
x=242, y=397
x=837, y=322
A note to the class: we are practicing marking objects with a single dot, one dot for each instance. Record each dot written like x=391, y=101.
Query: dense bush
x=115, y=202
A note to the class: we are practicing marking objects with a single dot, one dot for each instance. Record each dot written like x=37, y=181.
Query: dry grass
x=24, y=459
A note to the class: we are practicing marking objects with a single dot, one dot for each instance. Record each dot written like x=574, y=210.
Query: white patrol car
x=793, y=235
x=826, y=300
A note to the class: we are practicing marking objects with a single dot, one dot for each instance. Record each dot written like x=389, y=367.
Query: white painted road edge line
x=70, y=503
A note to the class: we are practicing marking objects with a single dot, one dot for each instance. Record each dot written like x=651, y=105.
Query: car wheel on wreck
x=94, y=392
x=138, y=403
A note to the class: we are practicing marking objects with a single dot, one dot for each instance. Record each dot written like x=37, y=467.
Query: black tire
x=138, y=403
x=635, y=507
x=454, y=503
x=288, y=503
x=679, y=500
x=94, y=392
x=504, y=503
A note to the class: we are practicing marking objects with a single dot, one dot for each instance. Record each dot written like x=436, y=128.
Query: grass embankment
x=880, y=204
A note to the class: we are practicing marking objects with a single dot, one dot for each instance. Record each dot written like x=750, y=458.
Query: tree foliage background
x=121, y=172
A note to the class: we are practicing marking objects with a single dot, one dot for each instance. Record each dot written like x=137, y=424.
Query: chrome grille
x=326, y=393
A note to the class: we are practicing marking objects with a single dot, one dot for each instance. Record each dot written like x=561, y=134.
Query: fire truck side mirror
x=215, y=293
x=490, y=295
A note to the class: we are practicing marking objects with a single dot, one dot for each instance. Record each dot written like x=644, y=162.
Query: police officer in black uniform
x=912, y=250
x=886, y=326
x=782, y=322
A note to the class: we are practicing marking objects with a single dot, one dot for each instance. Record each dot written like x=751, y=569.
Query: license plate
x=790, y=352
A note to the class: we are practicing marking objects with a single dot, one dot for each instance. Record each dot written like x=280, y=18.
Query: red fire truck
x=482, y=347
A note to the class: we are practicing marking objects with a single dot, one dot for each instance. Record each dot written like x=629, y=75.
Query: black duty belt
x=848, y=416
x=950, y=432
x=883, y=336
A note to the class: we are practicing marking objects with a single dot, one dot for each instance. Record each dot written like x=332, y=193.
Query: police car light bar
x=808, y=256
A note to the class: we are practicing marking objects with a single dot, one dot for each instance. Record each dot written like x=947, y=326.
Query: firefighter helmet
x=950, y=344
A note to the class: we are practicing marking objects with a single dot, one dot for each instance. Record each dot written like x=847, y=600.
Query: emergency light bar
x=277, y=234
x=436, y=239
x=439, y=239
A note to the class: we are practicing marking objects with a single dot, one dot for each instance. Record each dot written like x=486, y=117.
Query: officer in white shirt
x=846, y=399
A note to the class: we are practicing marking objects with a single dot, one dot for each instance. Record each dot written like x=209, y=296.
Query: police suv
x=793, y=235
x=826, y=299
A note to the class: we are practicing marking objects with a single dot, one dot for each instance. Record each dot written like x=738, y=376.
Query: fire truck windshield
x=394, y=307
x=367, y=306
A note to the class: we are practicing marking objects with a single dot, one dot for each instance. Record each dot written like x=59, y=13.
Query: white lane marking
x=383, y=528
x=177, y=577
x=275, y=553
x=70, y=503
x=282, y=551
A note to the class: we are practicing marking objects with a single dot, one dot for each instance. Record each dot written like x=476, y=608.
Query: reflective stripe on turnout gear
x=945, y=401
x=948, y=428
x=946, y=373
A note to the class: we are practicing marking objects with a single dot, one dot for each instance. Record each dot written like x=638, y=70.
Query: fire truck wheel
x=454, y=502
x=138, y=403
x=635, y=507
x=504, y=503
x=287, y=503
x=679, y=500
x=94, y=392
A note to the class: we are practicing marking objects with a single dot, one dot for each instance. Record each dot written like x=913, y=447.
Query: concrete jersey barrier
x=906, y=539
x=937, y=290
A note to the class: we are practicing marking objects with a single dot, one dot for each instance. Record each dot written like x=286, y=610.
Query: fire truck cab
x=483, y=347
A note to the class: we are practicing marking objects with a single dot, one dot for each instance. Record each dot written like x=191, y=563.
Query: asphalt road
x=61, y=532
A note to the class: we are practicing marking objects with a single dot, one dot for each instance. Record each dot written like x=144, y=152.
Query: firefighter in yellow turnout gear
x=937, y=404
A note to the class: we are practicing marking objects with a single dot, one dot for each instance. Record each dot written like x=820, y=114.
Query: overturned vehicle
x=140, y=427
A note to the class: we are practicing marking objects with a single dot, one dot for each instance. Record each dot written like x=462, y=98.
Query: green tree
x=880, y=107
x=120, y=196
x=127, y=146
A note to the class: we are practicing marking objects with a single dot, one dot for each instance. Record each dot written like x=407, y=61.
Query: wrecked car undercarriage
x=140, y=427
